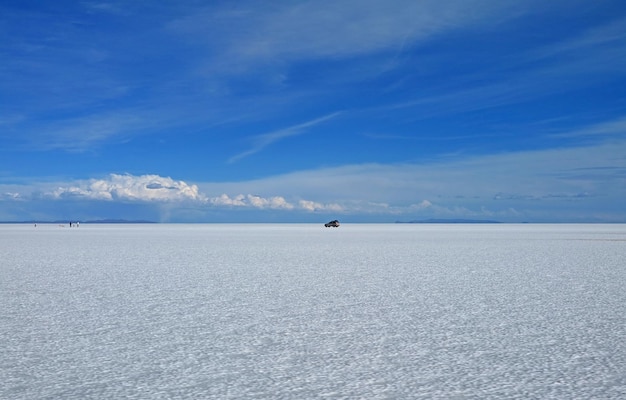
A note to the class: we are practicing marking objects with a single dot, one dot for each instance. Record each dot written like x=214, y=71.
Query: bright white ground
x=302, y=311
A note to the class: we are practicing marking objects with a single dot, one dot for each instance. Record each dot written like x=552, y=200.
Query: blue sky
x=304, y=111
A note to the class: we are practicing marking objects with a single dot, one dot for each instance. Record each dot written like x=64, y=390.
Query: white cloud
x=315, y=206
x=225, y=200
x=131, y=188
x=158, y=189
x=11, y=195
x=253, y=201
x=422, y=205
x=274, y=202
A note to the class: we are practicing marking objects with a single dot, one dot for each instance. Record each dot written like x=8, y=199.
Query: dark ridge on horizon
x=96, y=221
x=449, y=221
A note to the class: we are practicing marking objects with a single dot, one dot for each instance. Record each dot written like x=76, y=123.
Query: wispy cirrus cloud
x=78, y=134
x=615, y=128
x=238, y=38
x=562, y=64
x=262, y=141
x=603, y=40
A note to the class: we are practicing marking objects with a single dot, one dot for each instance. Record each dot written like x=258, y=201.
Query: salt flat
x=294, y=311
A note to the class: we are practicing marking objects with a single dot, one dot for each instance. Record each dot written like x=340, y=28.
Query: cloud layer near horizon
x=503, y=186
x=158, y=189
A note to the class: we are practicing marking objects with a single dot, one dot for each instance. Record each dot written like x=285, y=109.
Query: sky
x=307, y=111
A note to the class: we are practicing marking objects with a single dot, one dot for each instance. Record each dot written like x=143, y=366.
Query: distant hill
x=120, y=221
x=97, y=221
x=449, y=221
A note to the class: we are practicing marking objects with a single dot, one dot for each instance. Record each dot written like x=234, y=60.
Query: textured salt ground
x=298, y=311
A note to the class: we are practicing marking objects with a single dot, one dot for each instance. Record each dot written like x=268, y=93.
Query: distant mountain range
x=449, y=221
x=97, y=221
x=142, y=221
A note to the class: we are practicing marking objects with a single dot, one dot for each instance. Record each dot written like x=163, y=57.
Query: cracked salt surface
x=299, y=311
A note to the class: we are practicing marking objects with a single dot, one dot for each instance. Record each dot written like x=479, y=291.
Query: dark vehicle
x=334, y=224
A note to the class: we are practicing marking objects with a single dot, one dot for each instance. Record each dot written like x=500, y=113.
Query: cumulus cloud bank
x=275, y=202
x=155, y=188
x=133, y=188
x=241, y=200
